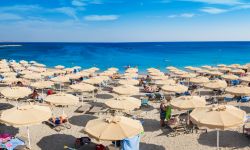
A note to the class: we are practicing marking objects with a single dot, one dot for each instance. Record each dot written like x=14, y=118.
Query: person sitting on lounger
x=34, y=95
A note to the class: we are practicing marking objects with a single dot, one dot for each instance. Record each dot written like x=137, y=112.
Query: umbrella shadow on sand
x=81, y=120
x=56, y=142
x=245, y=108
x=232, y=139
x=147, y=146
x=104, y=96
x=4, y=106
x=8, y=129
x=151, y=125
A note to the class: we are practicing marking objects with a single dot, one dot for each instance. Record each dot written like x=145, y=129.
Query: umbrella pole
x=82, y=99
x=28, y=133
x=218, y=139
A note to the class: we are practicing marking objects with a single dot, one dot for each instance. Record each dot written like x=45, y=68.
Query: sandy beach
x=154, y=138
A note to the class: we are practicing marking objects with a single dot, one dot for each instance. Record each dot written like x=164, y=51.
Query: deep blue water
x=143, y=55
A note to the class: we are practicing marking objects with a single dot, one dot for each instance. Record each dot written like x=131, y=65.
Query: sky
x=124, y=20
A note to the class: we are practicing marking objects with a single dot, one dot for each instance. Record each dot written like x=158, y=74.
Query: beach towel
x=131, y=143
x=168, y=112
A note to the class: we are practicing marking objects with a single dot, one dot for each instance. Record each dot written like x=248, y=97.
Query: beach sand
x=154, y=138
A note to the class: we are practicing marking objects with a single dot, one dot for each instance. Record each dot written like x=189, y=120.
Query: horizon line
x=120, y=41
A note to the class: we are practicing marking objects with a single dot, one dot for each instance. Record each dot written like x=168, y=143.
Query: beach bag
x=82, y=141
x=168, y=112
x=100, y=147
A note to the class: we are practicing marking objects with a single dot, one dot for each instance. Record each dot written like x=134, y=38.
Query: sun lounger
x=83, y=109
x=58, y=127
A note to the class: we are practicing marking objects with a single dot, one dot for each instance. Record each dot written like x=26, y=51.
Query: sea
x=140, y=54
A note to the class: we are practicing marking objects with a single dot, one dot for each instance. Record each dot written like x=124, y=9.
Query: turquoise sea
x=143, y=55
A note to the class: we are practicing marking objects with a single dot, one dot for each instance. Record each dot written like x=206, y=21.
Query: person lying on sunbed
x=59, y=120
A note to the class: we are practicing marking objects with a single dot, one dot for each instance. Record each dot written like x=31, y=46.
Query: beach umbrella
x=16, y=92
x=107, y=73
x=32, y=62
x=230, y=77
x=171, y=68
x=234, y=66
x=113, y=69
x=74, y=76
x=126, y=90
x=23, y=72
x=224, y=69
x=33, y=76
x=180, y=72
x=165, y=82
x=238, y=90
x=36, y=69
x=94, y=80
x=94, y=69
x=238, y=71
x=58, y=71
x=84, y=74
x=131, y=70
x=59, y=67
x=113, y=128
x=82, y=87
x=221, y=65
x=156, y=74
x=5, y=70
x=159, y=77
x=60, y=79
x=187, y=75
x=42, y=84
x=215, y=73
x=23, y=62
x=219, y=117
x=215, y=84
x=245, y=79
x=9, y=74
x=128, y=82
x=62, y=99
x=176, y=88
x=207, y=67
x=39, y=65
x=199, y=80
x=69, y=69
x=47, y=73
x=188, y=102
x=124, y=103
x=130, y=75
x=26, y=116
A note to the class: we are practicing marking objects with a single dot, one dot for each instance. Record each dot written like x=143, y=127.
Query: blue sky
x=124, y=20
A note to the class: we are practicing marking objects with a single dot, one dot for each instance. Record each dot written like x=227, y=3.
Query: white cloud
x=78, y=3
x=184, y=15
x=213, y=10
x=71, y=12
x=187, y=15
x=222, y=2
x=101, y=17
x=20, y=8
x=9, y=16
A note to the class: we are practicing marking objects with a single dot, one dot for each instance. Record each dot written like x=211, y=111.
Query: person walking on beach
x=165, y=112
